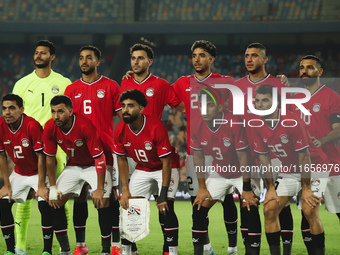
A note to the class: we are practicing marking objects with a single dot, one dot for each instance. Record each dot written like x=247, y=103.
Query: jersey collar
x=144, y=120
x=146, y=78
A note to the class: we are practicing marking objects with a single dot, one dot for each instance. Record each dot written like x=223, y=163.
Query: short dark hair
x=136, y=95
x=267, y=89
x=318, y=61
x=258, y=45
x=14, y=97
x=62, y=99
x=48, y=44
x=205, y=45
x=96, y=51
x=147, y=49
x=212, y=94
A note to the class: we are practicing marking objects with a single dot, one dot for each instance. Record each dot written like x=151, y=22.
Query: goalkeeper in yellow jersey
x=37, y=89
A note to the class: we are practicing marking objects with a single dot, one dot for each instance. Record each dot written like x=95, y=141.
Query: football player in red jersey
x=158, y=93
x=287, y=137
x=97, y=98
x=324, y=127
x=186, y=87
x=255, y=59
x=78, y=137
x=228, y=146
x=21, y=139
x=145, y=139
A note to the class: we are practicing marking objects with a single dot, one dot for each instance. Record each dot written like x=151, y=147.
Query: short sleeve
x=118, y=146
x=50, y=144
x=162, y=142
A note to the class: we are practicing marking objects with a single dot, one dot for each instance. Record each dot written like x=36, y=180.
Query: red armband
x=100, y=164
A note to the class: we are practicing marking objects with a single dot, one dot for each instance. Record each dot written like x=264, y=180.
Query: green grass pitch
x=152, y=244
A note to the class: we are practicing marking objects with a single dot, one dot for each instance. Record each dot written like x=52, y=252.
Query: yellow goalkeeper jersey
x=38, y=92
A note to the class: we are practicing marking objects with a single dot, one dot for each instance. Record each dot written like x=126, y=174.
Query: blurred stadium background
x=288, y=28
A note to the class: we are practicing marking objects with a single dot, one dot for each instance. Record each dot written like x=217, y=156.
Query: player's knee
x=311, y=214
x=83, y=194
x=270, y=210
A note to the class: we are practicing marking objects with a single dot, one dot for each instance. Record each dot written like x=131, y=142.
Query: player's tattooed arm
x=123, y=169
x=202, y=193
x=248, y=195
x=166, y=176
x=268, y=177
x=307, y=195
x=42, y=189
x=6, y=190
x=332, y=136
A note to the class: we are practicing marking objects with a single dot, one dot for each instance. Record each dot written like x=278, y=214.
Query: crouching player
x=287, y=137
x=146, y=140
x=77, y=136
x=229, y=149
x=21, y=139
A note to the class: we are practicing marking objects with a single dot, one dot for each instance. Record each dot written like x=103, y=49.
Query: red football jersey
x=245, y=83
x=187, y=88
x=157, y=91
x=81, y=143
x=145, y=147
x=324, y=105
x=22, y=144
x=222, y=145
x=284, y=142
x=98, y=101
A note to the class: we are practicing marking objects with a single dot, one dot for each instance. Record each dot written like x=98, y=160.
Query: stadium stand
x=102, y=11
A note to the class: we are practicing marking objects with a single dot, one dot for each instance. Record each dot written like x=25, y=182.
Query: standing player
x=288, y=139
x=324, y=127
x=151, y=150
x=203, y=57
x=158, y=93
x=21, y=138
x=77, y=136
x=97, y=98
x=228, y=147
x=255, y=59
x=37, y=89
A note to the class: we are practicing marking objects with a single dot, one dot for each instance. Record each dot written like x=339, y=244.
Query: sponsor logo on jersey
x=204, y=143
x=30, y=91
x=133, y=213
x=79, y=142
x=101, y=93
x=55, y=90
x=127, y=144
x=226, y=142
x=77, y=96
x=149, y=92
x=59, y=141
x=25, y=142
x=284, y=139
x=148, y=146
x=315, y=182
x=7, y=142
x=316, y=107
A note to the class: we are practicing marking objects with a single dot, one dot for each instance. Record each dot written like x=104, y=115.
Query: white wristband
x=54, y=192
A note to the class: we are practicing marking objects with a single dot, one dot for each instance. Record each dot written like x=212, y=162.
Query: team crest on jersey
x=55, y=90
x=316, y=107
x=148, y=146
x=284, y=139
x=315, y=182
x=134, y=213
x=149, y=92
x=79, y=142
x=226, y=142
x=25, y=142
x=265, y=140
x=100, y=93
x=59, y=141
